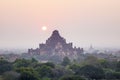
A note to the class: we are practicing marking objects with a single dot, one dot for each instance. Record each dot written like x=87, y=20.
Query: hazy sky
x=82, y=22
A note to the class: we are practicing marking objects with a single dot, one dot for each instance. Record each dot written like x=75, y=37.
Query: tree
x=112, y=75
x=73, y=77
x=66, y=61
x=22, y=63
x=91, y=60
x=5, y=66
x=44, y=71
x=91, y=72
x=59, y=72
x=49, y=64
x=75, y=67
x=104, y=63
x=28, y=74
x=1, y=78
x=118, y=66
x=33, y=60
x=11, y=75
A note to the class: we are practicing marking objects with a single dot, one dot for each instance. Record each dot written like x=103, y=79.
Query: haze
x=83, y=22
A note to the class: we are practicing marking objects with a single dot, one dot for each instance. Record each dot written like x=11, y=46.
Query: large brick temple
x=56, y=46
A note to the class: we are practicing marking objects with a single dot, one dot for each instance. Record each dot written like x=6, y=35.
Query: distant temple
x=56, y=46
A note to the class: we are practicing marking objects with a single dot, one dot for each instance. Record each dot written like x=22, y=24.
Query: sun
x=44, y=28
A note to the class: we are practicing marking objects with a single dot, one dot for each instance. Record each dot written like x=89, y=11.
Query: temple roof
x=55, y=38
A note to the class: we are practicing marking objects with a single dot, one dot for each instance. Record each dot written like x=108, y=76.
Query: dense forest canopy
x=91, y=68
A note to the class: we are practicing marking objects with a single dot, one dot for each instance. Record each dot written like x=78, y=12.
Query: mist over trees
x=91, y=68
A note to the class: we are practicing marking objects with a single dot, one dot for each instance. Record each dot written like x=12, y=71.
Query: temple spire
x=56, y=33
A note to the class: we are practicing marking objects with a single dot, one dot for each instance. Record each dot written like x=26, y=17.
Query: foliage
x=91, y=69
x=66, y=61
x=91, y=60
x=44, y=71
x=118, y=66
x=5, y=66
x=11, y=75
x=1, y=78
x=110, y=75
x=72, y=77
x=28, y=74
x=104, y=63
x=75, y=67
x=49, y=64
x=21, y=63
x=91, y=72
